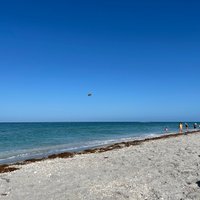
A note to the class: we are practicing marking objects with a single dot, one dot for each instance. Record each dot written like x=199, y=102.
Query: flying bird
x=89, y=94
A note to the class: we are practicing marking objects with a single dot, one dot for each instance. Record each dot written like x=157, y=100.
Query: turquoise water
x=19, y=141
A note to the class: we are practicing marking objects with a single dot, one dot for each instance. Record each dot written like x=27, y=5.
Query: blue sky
x=140, y=59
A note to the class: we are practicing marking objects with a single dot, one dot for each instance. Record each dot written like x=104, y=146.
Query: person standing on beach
x=195, y=125
x=186, y=126
x=180, y=127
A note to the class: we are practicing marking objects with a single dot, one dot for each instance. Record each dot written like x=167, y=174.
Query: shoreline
x=4, y=168
x=165, y=167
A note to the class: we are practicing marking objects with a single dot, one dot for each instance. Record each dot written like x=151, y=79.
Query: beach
x=167, y=168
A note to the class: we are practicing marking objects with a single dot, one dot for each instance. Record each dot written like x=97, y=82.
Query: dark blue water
x=19, y=141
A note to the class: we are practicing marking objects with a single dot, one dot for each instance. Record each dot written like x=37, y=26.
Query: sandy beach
x=168, y=169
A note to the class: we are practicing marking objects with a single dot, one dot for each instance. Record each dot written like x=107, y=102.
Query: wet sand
x=166, y=167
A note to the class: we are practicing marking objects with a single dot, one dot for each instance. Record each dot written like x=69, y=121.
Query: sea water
x=20, y=141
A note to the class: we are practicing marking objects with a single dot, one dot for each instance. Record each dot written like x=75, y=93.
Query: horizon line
x=96, y=121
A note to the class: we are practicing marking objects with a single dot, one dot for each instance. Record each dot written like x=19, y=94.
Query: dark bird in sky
x=89, y=94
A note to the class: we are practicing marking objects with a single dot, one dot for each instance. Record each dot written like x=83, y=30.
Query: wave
x=20, y=155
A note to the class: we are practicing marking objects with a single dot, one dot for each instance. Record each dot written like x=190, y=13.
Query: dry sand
x=167, y=169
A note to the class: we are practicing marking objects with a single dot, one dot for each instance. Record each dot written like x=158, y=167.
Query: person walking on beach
x=180, y=127
x=186, y=126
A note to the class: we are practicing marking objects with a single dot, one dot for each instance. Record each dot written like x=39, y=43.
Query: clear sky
x=140, y=59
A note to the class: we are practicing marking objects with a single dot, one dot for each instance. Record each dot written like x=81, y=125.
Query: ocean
x=20, y=141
